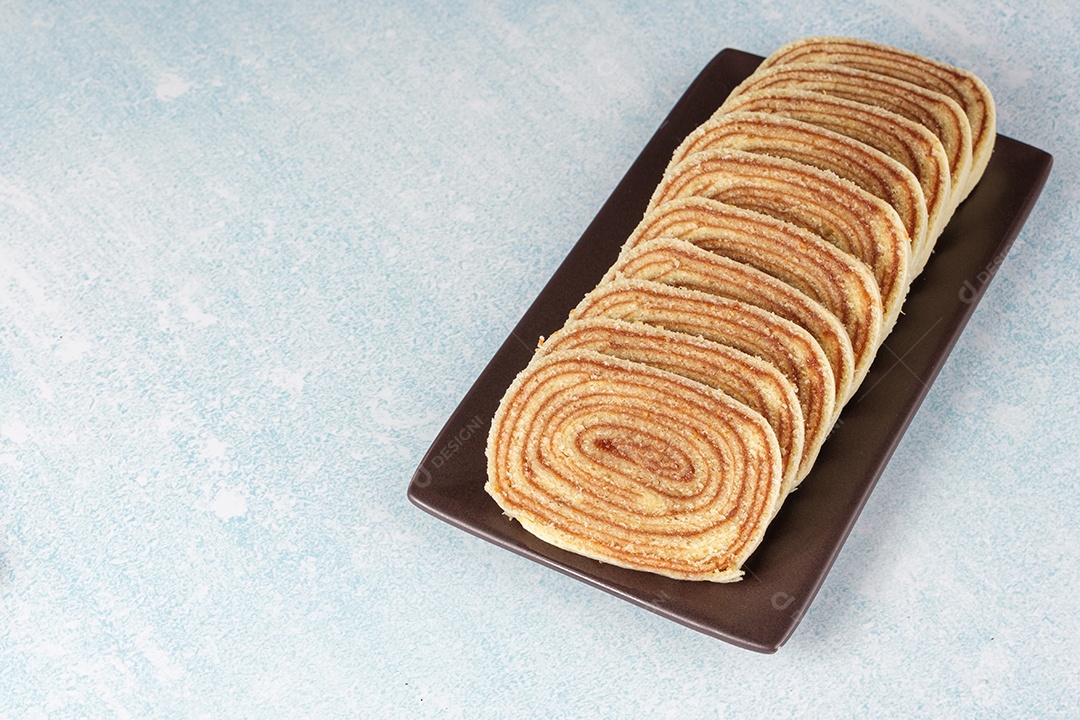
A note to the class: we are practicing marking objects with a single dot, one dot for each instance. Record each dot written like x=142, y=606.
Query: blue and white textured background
x=253, y=254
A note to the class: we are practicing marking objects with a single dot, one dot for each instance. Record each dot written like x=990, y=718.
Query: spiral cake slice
x=938, y=113
x=796, y=256
x=961, y=85
x=633, y=466
x=907, y=142
x=867, y=167
x=753, y=382
x=683, y=264
x=792, y=350
x=839, y=211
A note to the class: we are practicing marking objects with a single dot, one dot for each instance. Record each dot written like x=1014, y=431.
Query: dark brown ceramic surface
x=786, y=571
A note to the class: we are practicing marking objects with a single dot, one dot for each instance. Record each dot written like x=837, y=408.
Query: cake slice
x=907, y=142
x=683, y=264
x=850, y=218
x=961, y=85
x=748, y=379
x=634, y=466
x=867, y=167
x=795, y=256
x=789, y=348
x=935, y=111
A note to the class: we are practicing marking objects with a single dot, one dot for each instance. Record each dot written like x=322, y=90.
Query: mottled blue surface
x=253, y=255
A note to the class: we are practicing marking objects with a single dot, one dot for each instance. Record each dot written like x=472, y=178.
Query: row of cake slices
x=663, y=425
x=787, y=229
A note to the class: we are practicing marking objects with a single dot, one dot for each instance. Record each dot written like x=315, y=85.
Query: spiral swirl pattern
x=905, y=141
x=794, y=256
x=852, y=219
x=634, y=466
x=869, y=168
x=938, y=113
x=683, y=264
x=788, y=347
x=745, y=378
x=961, y=85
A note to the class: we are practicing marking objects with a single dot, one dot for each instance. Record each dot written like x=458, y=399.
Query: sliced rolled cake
x=907, y=142
x=683, y=264
x=789, y=253
x=961, y=85
x=789, y=348
x=748, y=379
x=938, y=113
x=838, y=210
x=867, y=167
x=634, y=466
x=662, y=427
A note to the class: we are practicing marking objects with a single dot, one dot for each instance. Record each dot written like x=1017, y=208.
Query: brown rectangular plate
x=788, y=568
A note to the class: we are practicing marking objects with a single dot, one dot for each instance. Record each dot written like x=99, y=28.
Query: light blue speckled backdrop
x=253, y=254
